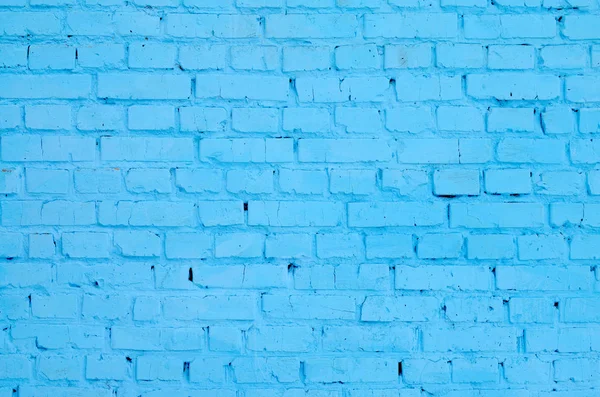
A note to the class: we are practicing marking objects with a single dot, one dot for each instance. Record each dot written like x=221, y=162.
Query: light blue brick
x=13, y=55
x=86, y=245
x=460, y=55
x=306, y=119
x=558, y=120
x=412, y=56
x=11, y=245
x=296, y=58
x=57, y=57
x=10, y=181
x=511, y=57
x=255, y=58
x=409, y=119
x=48, y=117
x=459, y=118
x=357, y=57
x=243, y=245
x=250, y=181
x=288, y=245
x=151, y=117
x=255, y=119
x=148, y=180
x=511, y=120
x=437, y=246
x=340, y=245
x=47, y=180
x=303, y=181
x=188, y=245
x=41, y=245
x=101, y=55
x=152, y=55
x=352, y=181
x=100, y=118
x=138, y=243
x=456, y=182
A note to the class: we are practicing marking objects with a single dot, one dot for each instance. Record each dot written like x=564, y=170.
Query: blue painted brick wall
x=299, y=198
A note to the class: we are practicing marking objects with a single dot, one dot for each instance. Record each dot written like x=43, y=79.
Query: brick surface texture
x=299, y=198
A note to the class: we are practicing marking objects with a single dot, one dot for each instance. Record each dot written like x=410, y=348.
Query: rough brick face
x=299, y=198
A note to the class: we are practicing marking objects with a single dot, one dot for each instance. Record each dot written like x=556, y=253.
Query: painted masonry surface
x=299, y=198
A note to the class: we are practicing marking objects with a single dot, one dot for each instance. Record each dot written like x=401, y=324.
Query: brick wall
x=299, y=198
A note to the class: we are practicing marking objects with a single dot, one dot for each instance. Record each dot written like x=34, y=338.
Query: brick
x=369, y=338
x=311, y=27
x=250, y=181
x=495, y=215
x=13, y=56
x=358, y=119
x=59, y=86
x=350, y=150
x=255, y=119
x=409, y=119
x=513, y=86
x=334, y=89
x=288, y=246
x=389, y=246
x=323, y=307
x=411, y=25
x=138, y=243
x=146, y=213
x=212, y=25
x=363, y=370
x=203, y=57
x=298, y=58
x=428, y=151
x=152, y=55
x=144, y=86
x=511, y=120
x=490, y=246
x=340, y=245
x=352, y=181
x=255, y=58
x=560, y=183
x=565, y=56
x=459, y=56
x=459, y=118
x=148, y=180
x=479, y=370
x=406, y=182
x=55, y=306
x=97, y=180
x=86, y=245
x=146, y=149
x=524, y=150
x=407, y=56
x=266, y=88
x=210, y=307
x=581, y=27
x=202, y=119
x=379, y=214
x=99, y=55
x=306, y=120
x=472, y=339
x=542, y=278
x=582, y=89
x=188, y=245
x=438, y=246
x=386, y=309
x=507, y=181
x=100, y=118
x=302, y=181
x=152, y=118
x=414, y=87
x=511, y=57
x=456, y=182
x=47, y=181
x=357, y=57
x=55, y=57
x=473, y=310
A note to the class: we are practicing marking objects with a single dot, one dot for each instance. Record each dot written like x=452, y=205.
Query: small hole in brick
x=128, y=359
x=400, y=368
x=191, y=275
x=245, y=206
x=556, y=305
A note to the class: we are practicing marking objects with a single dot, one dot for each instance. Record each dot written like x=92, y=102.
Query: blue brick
x=299, y=198
x=86, y=245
